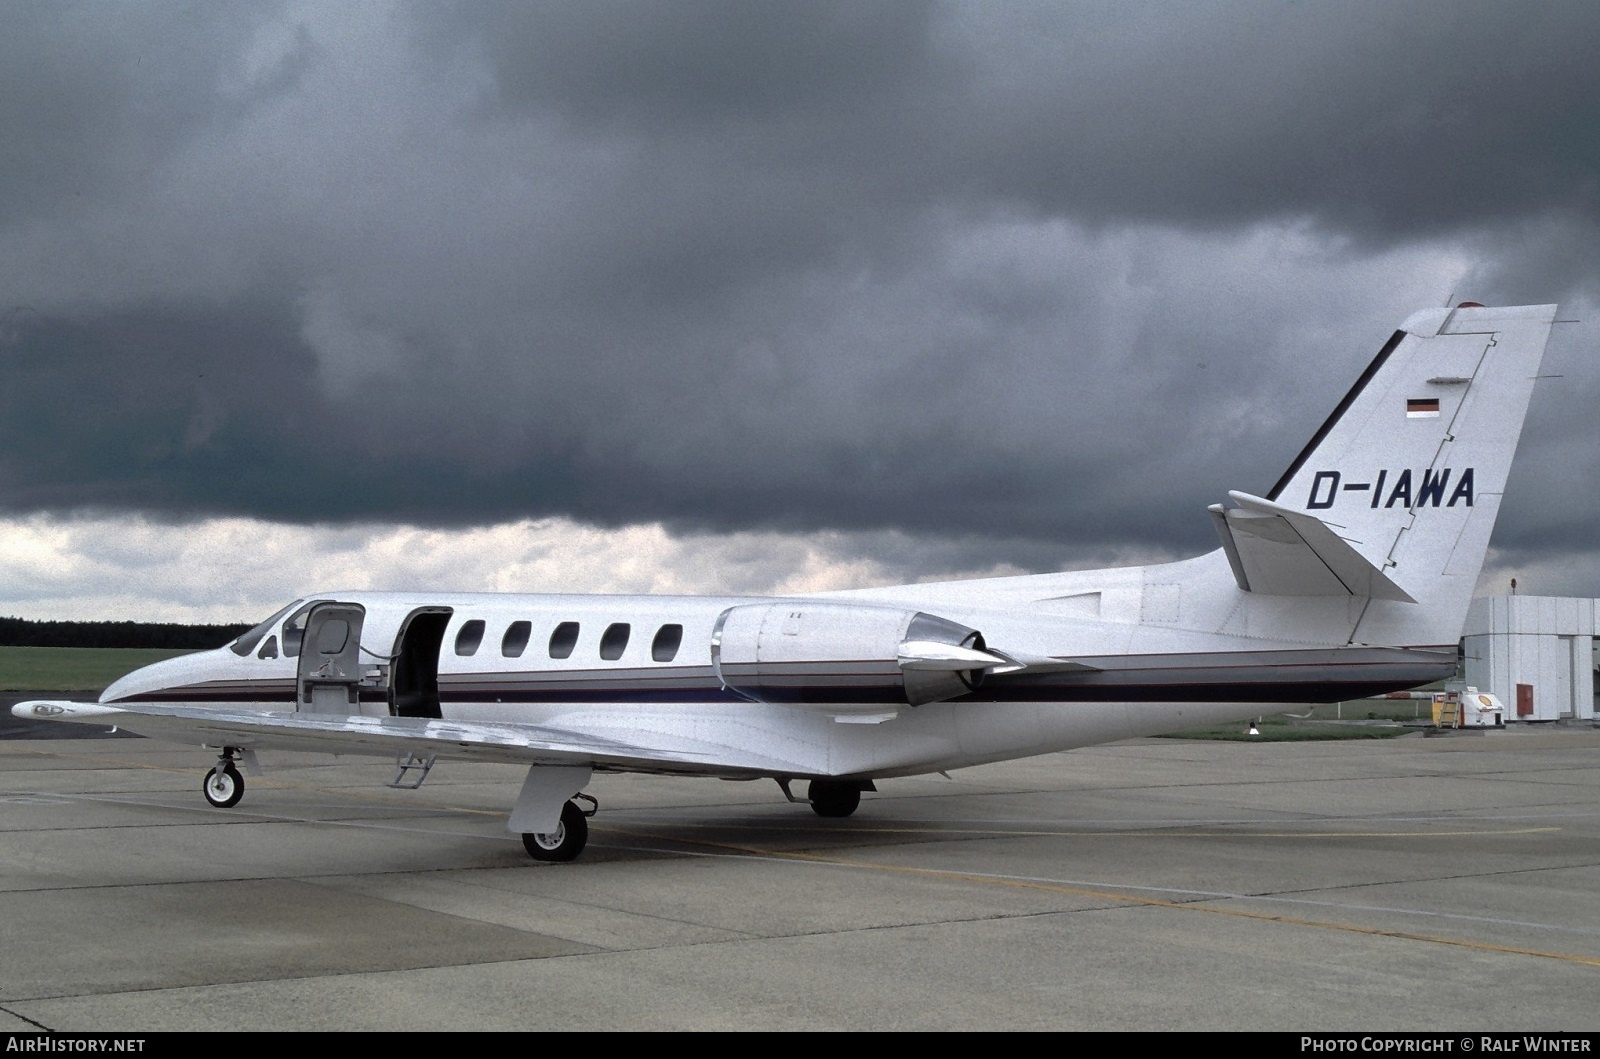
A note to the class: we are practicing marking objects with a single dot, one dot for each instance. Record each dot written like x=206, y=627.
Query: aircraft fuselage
x=812, y=681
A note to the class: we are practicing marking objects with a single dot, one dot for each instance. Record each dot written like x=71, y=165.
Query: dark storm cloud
x=1011, y=273
x=191, y=409
x=92, y=93
x=127, y=409
x=1380, y=119
x=697, y=61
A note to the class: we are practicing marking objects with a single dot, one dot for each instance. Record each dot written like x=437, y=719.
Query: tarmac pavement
x=1409, y=884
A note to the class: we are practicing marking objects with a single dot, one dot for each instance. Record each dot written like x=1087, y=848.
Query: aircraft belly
x=1069, y=725
x=985, y=729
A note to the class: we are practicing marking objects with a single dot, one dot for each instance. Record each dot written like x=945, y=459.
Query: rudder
x=1411, y=466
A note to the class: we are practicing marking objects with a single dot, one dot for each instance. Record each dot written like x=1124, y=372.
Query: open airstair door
x=330, y=660
x=414, y=678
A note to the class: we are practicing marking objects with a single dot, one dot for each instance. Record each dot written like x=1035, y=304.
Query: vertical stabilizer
x=1410, y=468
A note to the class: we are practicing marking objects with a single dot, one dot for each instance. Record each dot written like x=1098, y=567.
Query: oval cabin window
x=664, y=648
x=564, y=639
x=615, y=641
x=515, y=640
x=470, y=636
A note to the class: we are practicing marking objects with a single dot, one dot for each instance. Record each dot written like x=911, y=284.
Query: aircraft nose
x=158, y=676
x=126, y=686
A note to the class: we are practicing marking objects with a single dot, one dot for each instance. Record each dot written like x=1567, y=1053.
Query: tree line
x=20, y=632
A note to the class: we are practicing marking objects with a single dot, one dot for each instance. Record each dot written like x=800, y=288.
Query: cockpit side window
x=269, y=649
x=247, y=643
x=294, y=630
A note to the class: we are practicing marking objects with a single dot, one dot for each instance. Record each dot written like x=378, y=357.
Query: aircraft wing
x=645, y=750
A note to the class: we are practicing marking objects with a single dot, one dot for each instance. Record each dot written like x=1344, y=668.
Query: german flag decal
x=1422, y=408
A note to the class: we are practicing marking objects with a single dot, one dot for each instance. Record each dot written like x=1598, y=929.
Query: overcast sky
x=740, y=296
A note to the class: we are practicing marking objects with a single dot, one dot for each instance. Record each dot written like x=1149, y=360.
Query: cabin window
x=470, y=636
x=564, y=639
x=515, y=640
x=615, y=641
x=664, y=648
x=332, y=635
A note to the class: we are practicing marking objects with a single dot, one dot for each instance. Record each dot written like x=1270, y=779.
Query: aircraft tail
x=1393, y=500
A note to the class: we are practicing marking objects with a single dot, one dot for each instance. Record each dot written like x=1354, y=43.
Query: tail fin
x=1394, y=498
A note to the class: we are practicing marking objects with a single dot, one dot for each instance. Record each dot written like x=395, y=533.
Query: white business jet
x=1349, y=578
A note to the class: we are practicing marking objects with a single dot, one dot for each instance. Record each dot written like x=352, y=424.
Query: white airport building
x=1537, y=654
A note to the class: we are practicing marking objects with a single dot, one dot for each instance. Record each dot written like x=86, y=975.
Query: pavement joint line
x=967, y=877
x=32, y=1022
x=1197, y=905
x=1165, y=831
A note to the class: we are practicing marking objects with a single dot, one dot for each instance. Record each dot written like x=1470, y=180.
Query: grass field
x=72, y=668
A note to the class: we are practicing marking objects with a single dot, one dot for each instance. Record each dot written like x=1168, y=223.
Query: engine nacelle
x=845, y=654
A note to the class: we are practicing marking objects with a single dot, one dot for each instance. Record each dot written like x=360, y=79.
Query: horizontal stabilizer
x=1278, y=551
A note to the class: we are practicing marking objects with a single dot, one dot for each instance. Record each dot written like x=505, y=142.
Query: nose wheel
x=565, y=842
x=223, y=786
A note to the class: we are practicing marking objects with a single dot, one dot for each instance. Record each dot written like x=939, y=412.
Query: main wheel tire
x=223, y=786
x=833, y=799
x=565, y=842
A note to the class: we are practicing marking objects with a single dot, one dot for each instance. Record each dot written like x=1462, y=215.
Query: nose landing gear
x=223, y=786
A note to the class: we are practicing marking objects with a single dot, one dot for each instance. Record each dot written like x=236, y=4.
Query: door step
x=408, y=763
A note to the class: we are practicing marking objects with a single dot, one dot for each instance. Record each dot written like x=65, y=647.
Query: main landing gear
x=833, y=798
x=569, y=837
x=223, y=786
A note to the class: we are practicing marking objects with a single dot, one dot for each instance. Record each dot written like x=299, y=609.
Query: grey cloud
x=93, y=93
x=644, y=63
x=1046, y=277
x=970, y=415
x=1377, y=119
x=1373, y=118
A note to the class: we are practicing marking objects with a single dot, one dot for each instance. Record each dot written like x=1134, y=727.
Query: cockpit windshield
x=247, y=643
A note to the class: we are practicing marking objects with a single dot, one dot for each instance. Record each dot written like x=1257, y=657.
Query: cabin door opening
x=330, y=660
x=414, y=683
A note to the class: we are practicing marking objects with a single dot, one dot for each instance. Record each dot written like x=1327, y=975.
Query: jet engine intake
x=838, y=654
